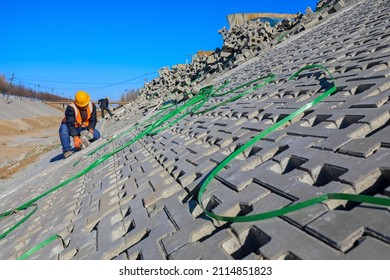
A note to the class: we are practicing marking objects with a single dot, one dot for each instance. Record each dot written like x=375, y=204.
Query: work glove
x=78, y=144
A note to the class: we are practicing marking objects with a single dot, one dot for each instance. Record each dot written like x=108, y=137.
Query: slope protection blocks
x=141, y=202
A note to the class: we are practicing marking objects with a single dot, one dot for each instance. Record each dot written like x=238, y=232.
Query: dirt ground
x=23, y=140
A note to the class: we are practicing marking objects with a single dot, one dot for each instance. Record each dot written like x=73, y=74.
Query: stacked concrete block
x=240, y=43
x=252, y=35
x=332, y=6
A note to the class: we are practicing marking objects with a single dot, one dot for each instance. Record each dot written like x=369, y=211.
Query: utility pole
x=10, y=86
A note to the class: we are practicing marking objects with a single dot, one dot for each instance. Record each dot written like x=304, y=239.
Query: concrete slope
x=26, y=127
x=136, y=197
x=23, y=109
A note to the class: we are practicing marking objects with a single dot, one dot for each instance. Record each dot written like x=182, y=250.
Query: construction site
x=273, y=147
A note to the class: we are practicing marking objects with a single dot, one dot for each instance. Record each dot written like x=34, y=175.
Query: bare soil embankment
x=28, y=129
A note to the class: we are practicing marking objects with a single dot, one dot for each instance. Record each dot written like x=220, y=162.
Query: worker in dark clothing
x=79, y=122
x=103, y=103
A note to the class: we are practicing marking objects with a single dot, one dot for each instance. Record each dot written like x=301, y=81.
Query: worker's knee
x=63, y=130
x=96, y=134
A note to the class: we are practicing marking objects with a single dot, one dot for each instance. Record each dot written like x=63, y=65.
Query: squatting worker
x=80, y=116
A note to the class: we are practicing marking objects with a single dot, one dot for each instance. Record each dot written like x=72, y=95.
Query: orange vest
x=79, y=121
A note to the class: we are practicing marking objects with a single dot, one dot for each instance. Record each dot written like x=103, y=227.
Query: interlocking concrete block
x=339, y=5
x=188, y=228
x=236, y=181
x=140, y=228
x=334, y=140
x=210, y=249
x=375, y=118
x=86, y=252
x=279, y=240
x=107, y=205
x=342, y=229
x=84, y=246
x=343, y=237
x=67, y=253
x=224, y=201
x=162, y=188
x=288, y=186
x=368, y=249
x=365, y=147
x=304, y=216
x=364, y=178
x=110, y=237
x=152, y=250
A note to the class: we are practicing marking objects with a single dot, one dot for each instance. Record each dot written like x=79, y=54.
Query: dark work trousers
x=105, y=109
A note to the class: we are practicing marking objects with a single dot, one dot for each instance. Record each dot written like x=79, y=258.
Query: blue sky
x=107, y=47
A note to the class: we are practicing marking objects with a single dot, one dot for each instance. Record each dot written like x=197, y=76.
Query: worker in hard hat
x=79, y=123
x=103, y=103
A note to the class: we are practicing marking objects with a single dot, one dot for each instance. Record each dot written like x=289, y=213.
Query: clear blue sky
x=107, y=47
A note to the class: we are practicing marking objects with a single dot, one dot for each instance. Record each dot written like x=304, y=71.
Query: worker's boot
x=85, y=136
x=67, y=154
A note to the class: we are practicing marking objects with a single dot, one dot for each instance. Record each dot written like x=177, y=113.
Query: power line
x=90, y=83
x=132, y=79
x=29, y=81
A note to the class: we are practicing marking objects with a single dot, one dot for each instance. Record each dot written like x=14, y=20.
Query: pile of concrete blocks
x=310, y=19
x=332, y=6
x=240, y=43
x=169, y=80
x=253, y=34
x=183, y=77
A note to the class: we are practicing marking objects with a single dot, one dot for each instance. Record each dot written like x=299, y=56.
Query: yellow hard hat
x=82, y=98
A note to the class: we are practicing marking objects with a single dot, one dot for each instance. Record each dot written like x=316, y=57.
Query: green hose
x=40, y=246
